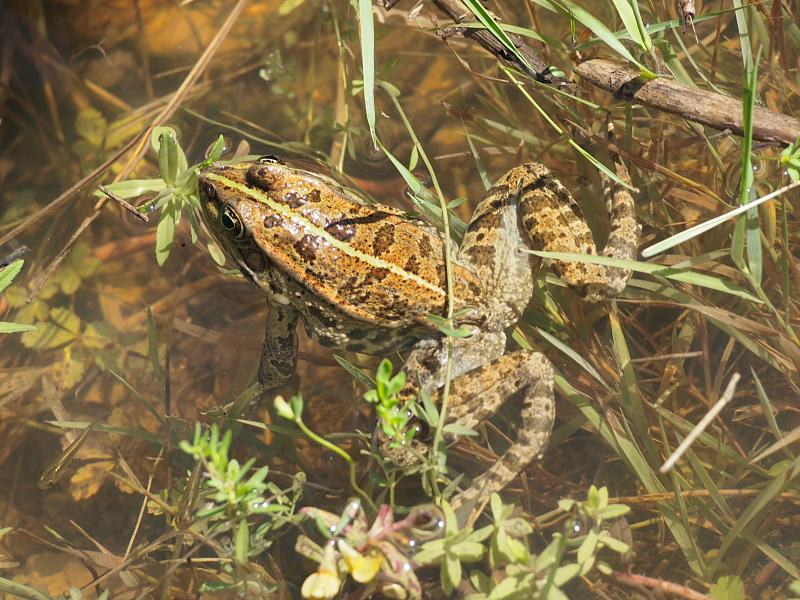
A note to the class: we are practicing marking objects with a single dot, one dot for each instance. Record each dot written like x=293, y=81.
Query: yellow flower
x=325, y=582
x=362, y=568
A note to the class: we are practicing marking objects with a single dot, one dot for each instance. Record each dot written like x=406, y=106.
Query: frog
x=370, y=278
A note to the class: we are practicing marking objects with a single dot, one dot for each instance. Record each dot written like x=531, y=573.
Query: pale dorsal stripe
x=288, y=213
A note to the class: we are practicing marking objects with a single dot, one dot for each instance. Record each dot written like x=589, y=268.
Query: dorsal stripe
x=288, y=213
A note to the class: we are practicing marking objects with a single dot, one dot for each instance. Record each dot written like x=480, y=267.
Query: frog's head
x=235, y=210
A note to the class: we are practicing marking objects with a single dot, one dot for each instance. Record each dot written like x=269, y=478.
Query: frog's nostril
x=207, y=191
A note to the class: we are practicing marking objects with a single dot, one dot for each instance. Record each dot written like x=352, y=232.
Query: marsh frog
x=366, y=277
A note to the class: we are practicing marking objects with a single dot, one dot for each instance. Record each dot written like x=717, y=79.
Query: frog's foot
x=524, y=374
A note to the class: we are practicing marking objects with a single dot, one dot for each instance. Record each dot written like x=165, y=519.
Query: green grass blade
x=701, y=228
x=577, y=358
x=366, y=29
x=488, y=21
x=597, y=27
x=747, y=185
x=691, y=277
x=629, y=15
x=8, y=273
x=753, y=516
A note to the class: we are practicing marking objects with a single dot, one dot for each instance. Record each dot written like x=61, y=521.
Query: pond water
x=150, y=336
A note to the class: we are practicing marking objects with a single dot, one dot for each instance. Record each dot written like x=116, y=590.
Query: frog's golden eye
x=231, y=222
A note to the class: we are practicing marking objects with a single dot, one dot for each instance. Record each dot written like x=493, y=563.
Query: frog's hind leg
x=555, y=223
x=521, y=373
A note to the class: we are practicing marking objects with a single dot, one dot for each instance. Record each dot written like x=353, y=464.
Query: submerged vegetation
x=175, y=489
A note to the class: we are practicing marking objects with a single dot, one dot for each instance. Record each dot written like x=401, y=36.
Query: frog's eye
x=230, y=222
x=270, y=159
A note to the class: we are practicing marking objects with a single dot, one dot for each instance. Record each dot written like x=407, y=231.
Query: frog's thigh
x=279, y=353
x=477, y=395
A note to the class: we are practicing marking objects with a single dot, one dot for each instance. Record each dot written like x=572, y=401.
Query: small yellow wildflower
x=362, y=568
x=324, y=583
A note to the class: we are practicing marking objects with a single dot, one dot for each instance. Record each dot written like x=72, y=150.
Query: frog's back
x=371, y=262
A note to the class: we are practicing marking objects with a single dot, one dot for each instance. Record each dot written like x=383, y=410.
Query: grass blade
x=366, y=30
x=691, y=277
x=488, y=21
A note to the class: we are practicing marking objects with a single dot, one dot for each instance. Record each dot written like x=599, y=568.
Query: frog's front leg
x=279, y=352
x=484, y=380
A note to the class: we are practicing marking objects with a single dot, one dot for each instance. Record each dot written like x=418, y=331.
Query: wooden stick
x=709, y=108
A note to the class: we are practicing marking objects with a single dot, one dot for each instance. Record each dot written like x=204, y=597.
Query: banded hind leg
x=485, y=380
x=529, y=208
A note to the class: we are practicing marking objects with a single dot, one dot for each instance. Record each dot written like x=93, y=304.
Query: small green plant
x=790, y=159
x=458, y=545
x=513, y=571
x=393, y=414
x=7, y=275
x=293, y=411
x=174, y=192
x=232, y=495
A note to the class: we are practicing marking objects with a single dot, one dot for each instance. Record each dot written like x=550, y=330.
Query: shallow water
x=81, y=78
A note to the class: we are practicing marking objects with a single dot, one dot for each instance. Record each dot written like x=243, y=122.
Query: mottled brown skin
x=365, y=277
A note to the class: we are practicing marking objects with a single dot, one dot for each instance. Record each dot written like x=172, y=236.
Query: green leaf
x=451, y=573
x=597, y=27
x=628, y=11
x=468, y=551
x=366, y=29
x=62, y=327
x=677, y=274
x=165, y=232
x=507, y=588
x=613, y=511
x=614, y=544
x=215, y=151
x=242, y=540
x=588, y=546
x=728, y=587
x=414, y=158
x=411, y=180
x=133, y=188
x=7, y=327
x=431, y=552
x=565, y=573
x=168, y=156
x=8, y=273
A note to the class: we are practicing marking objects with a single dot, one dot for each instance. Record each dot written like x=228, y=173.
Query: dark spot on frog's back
x=313, y=196
x=259, y=176
x=384, y=238
x=293, y=199
x=307, y=247
x=341, y=230
x=412, y=265
x=272, y=220
x=425, y=248
x=378, y=274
